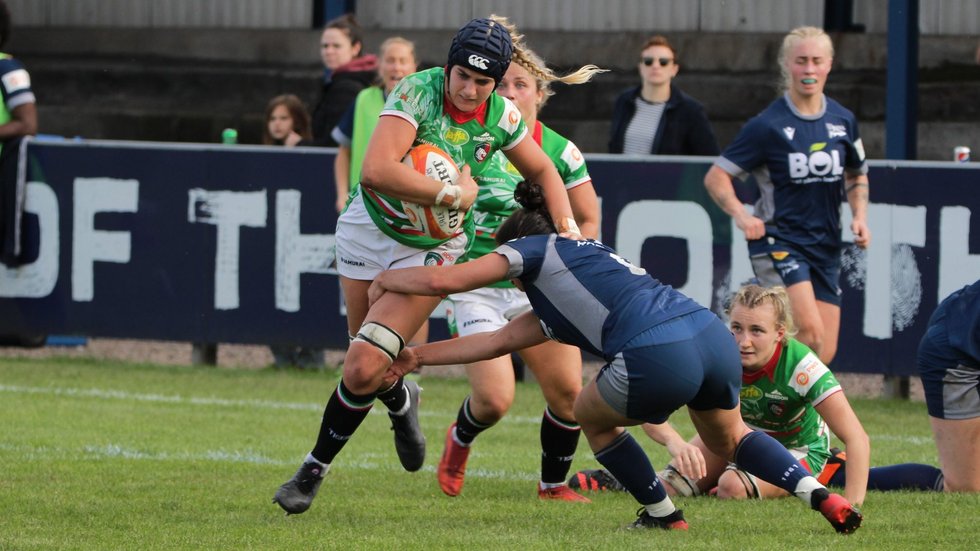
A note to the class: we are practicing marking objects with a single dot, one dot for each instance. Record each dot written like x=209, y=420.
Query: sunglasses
x=664, y=61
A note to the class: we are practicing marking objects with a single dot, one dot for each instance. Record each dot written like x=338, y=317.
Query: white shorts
x=486, y=309
x=364, y=251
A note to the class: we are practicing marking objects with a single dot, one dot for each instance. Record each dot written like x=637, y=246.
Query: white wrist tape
x=571, y=226
x=454, y=191
x=381, y=337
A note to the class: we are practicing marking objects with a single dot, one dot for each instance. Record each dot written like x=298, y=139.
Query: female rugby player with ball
x=455, y=109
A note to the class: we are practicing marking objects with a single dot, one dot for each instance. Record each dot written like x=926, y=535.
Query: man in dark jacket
x=657, y=117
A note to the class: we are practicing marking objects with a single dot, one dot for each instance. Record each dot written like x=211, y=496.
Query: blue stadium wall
x=211, y=243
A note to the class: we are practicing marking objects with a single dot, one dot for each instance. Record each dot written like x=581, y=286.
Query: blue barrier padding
x=66, y=340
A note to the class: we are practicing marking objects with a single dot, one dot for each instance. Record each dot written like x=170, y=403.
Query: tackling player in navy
x=806, y=155
x=662, y=349
x=949, y=363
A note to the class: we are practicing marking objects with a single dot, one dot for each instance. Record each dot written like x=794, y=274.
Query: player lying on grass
x=662, y=349
x=792, y=396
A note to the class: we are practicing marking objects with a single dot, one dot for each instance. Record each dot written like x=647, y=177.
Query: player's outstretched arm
x=857, y=197
x=535, y=166
x=523, y=331
x=685, y=456
x=842, y=420
x=720, y=188
x=440, y=280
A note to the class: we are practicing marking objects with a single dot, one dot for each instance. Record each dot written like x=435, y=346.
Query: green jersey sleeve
x=566, y=157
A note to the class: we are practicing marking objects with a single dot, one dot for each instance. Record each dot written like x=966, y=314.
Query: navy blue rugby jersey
x=587, y=295
x=15, y=85
x=799, y=162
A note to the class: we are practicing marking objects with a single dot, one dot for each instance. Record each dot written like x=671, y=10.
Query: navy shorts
x=690, y=360
x=950, y=378
x=776, y=262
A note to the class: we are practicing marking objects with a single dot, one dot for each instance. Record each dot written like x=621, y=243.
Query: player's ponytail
x=531, y=219
x=535, y=65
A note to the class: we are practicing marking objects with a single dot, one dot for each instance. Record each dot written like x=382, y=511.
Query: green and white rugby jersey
x=495, y=200
x=783, y=406
x=420, y=99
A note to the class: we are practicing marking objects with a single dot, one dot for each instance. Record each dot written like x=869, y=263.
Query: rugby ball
x=435, y=221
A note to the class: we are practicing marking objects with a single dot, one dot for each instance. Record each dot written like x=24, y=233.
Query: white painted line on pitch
x=103, y=394
x=362, y=461
x=918, y=440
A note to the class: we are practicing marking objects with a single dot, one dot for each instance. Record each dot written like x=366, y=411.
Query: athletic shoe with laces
x=452, y=465
x=844, y=517
x=296, y=495
x=595, y=480
x=673, y=521
x=562, y=493
x=409, y=440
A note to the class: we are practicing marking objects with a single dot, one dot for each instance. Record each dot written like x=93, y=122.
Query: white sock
x=805, y=487
x=311, y=459
x=456, y=440
x=661, y=508
x=549, y=485
x=408, y=403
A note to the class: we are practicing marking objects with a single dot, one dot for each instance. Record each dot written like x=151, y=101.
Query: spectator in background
x=345, y=74
x=357, y=124
x=287, y=123
x=949, y=363
x=806, y=154
x=656, y=117
x=18, y=118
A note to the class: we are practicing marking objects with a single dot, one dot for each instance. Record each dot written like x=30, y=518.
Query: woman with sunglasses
x=656, y=117
x=806, y=155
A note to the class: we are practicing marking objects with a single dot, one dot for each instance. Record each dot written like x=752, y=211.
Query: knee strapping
x=683, y=485
x=748, y=481
x=381, y=337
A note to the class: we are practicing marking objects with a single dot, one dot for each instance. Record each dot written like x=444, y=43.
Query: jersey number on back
x=633, y=269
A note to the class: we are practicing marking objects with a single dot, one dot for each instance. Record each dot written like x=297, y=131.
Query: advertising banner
x=211, y=243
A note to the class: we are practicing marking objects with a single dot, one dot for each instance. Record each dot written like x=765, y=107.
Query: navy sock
x=467, y=426
x=760, y=454
x=343, y=414
x=905, y=476
x=625, y=459
x=394, y=397
x=559, y=438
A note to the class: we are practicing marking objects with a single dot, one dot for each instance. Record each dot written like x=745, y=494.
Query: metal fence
x=943, y=17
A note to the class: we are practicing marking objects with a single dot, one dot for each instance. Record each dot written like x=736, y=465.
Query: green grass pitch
x=107, y=455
